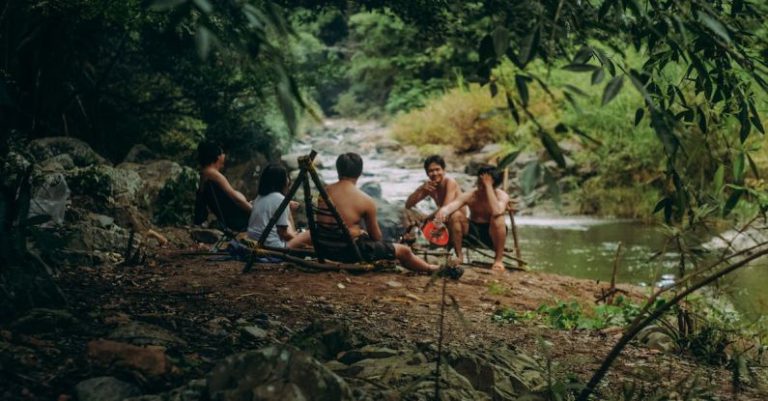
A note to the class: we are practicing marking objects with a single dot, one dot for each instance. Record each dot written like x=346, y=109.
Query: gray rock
x=101, y=220
x=139, y=153
x=255, y=332
x=42, y=320
x=86, y=237
x=275, y=373
x=388, y=145
x=367, y=352
x=112, y=187
x=13, y=166
x=139, y=333
x=57, y=163
x=373, y=189
x=105, y=389
x=206, y=235
x=50, y=194
x=82, y=154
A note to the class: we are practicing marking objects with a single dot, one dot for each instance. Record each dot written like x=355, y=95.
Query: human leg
x=410, y=261
x=301, y=240
x=458, y=227
x=498, y=231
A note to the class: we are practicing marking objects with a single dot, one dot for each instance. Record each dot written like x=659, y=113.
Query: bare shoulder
x=502, y=196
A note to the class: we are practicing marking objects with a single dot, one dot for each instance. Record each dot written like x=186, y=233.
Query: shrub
x=466, y=119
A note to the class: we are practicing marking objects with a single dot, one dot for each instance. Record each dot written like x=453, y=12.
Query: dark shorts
x=479, y=234
x=375, y=250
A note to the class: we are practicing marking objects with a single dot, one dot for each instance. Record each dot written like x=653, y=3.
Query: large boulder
x=108, y=186
x=105, y=389
x=167, y=192
x=276, y=373
x=139, y=153
x=82, y=154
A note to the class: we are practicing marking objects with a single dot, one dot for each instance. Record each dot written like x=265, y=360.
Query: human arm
x=442, y=214
x=371, y=223
x=420, y=193
x=233, y=194
x=497, y=200
x=452, y=190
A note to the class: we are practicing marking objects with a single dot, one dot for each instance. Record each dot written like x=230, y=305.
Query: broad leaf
x=719, y=178
x=512, y=108
x=738, y=168
x=732, y=201
x=583, y=55
x=612, y=89
x=715, y=25
x=529, y=47
x=598, y=76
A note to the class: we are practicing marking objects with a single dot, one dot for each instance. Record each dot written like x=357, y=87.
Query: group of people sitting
x=477, y=214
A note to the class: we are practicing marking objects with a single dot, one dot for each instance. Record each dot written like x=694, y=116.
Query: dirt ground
x=183, y=293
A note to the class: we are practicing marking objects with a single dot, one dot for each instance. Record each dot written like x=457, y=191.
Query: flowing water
x=582, y=247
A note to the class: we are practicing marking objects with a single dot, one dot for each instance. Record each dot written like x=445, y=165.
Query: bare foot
x=498, y=267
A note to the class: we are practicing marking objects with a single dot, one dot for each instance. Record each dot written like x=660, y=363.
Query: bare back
x=354, y=207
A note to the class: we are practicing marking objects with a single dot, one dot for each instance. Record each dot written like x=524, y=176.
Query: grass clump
x=465, y=118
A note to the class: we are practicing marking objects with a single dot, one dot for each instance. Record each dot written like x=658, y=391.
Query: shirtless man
x=440, y=188
x=487, y=206
x=236, y=208
x=357, y=208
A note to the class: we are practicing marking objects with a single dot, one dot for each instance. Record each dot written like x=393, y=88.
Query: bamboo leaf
x=500, y=41
x=512, y=108
x=162, y=5
x=529, y=177
x=738, y=168
x=203, y=5
x=553, y=149
x=753, y=166
x=522, y=89
x=508, y=159
x=612, y=89
x=529, y=47
x=719, y=178
x=203, y=41
x=583, y=55
x=715, y=25
x=597, y=76
x=732, y=201
x=553, y=188
x=639, y=115
x=575, y=89
x=581, y=67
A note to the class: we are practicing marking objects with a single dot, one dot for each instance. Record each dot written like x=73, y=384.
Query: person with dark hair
x=487, y=207
x=215, y=192
x=358, y=210
x=439, y=187
x=273, y=185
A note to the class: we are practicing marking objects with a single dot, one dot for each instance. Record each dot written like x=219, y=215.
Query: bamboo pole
x=520, y=262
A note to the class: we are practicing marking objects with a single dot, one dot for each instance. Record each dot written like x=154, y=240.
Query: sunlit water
x=582, y=247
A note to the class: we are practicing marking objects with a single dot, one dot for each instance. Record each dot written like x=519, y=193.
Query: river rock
x=58, y=163
x=167, y=191
x=82, y=154
x=43, y=320
x=138, y=333
x=501, y=373
x=373, y=189
x=87, y=237
x=206, y=235
x=324, y=340
x=149, y=360
x=104, y=389
x=388, y=145
x=275, y=373
x=110, y=187
x=139, y=153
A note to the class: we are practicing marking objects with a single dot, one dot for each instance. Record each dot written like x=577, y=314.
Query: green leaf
x=522, y=89
x=753, y=166
x=639, y=115
x=575, y=89
x=719, y=178
x=203, y=41
x=529, y=46
x=612, y=89
x=494, y=89
x=738, y=168
x=500, y=41
x=162, y=5
x=715, y=25
x=598, y=76
x=634, y=77
x=508, y=159
x=529, y=177
x=732, y=201
x=512, y=108
x=755, y=118
x=287, y=106
x=486, y=51
x=744, y=122
x=583, y=55
x=581, y=67
x=203, y=5
x=552, y=148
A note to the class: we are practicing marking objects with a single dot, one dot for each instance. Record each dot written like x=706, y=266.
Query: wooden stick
x=521, y=263
x=327, y=265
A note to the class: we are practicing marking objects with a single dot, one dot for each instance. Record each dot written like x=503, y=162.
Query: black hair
x=273, y=178
x=349, y=165
x=434, y=159
x=494, y=173
x=208, y=152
